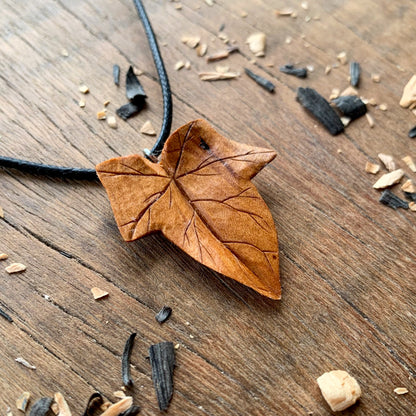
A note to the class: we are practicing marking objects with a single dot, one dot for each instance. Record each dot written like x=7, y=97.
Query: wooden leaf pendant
x=201, y=198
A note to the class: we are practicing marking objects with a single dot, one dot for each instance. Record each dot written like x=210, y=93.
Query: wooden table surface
x=347, y=261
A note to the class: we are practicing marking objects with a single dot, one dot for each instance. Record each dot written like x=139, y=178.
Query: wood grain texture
x=347, y=262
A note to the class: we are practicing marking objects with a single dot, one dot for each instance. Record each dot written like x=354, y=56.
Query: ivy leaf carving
x=201, y=198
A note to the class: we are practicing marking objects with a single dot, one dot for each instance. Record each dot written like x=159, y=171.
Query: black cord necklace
x=91, y=174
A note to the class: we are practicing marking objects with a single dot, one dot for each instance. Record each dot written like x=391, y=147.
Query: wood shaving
x=409, y=93
x=177, y=346
x=345, y=121
x=178, y=6
x=401, y=390
x=339, y=389
x=328, y=69
x=409, y=162
x=1, y=212
x=119, y=407
x=294, y=15
x=304, y=5
x=84, y=89
x=349, y=91
x=287, y=11
x=23, y=401
x=22, y=361
x=372, y=101
x=62, y=405
x=4, y=256
x=15, y=268
x=179, y=65
x=137, y=71
x=102, y=115
x=412, y=206
x=370, y=119
x=408, y=186
x=375, y=78
x=222, y=69
x=288, y=40
x=342, y=58
x=112, y=122
x=216, y=76
x=388, y=161
x=148, y=129
x=310, y=68
x=257, y=43
x=209, y=2
x=307, y=19
x=243, y=14
x=106, y=103
x=119, y=394
x=187, y=65
x=389, y=179
x=82, y=103
x=191, y=41
x=334, y=94
x=64, y=53
x=223, y=37
x=98, y=293
x=201, y=50
x=383, y=107
x=270, y=64
x=372, y=168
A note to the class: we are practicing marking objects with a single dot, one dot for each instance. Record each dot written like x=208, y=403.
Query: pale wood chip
x=307, y=19
x=388, y=161
x=328, y=69
x=294, y=14
x=288, y=40
x=408, y=186
x=84, y=89
x=178, y=6
x=345, y=120
x=1, y=212
x=148, y=129
x=102, y=115
x=409, y=162
x=372, y=101
x=370, y=119
x=304, y=5
x=187, y=65
x=414, y=112
x=223, y=37
x=82, y=103
x=257, y=43
x=62, y=405
x=349, y=91
x=112, y=122
x=55, y=408
x=9, y=412
x=310, y=68
x=287, y=11
x=215, y=76
x=401, y=390
x=209, y=2
x=389, y=179
x=270, y=64
x=201, y=50
x=119, y=407
x=105, y=103
x=179, y=65
x=98, y=293
x=412, y=206
x=64, y=53
x=119, y=394
x=22, y=361
x=222, y=69
x=339, y=389
x=15, y=268
x=372, y=168
x=191, y=41
x=383, y=107
x=23, y=401
x=4, y=256
x=177, y=346
x=342, y=58
x=334, y=93
x=375, y=78
x=409, y=93
x=243, y=14
x=137, y=71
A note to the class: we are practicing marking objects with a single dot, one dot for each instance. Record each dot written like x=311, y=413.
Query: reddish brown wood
x=201, y=198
